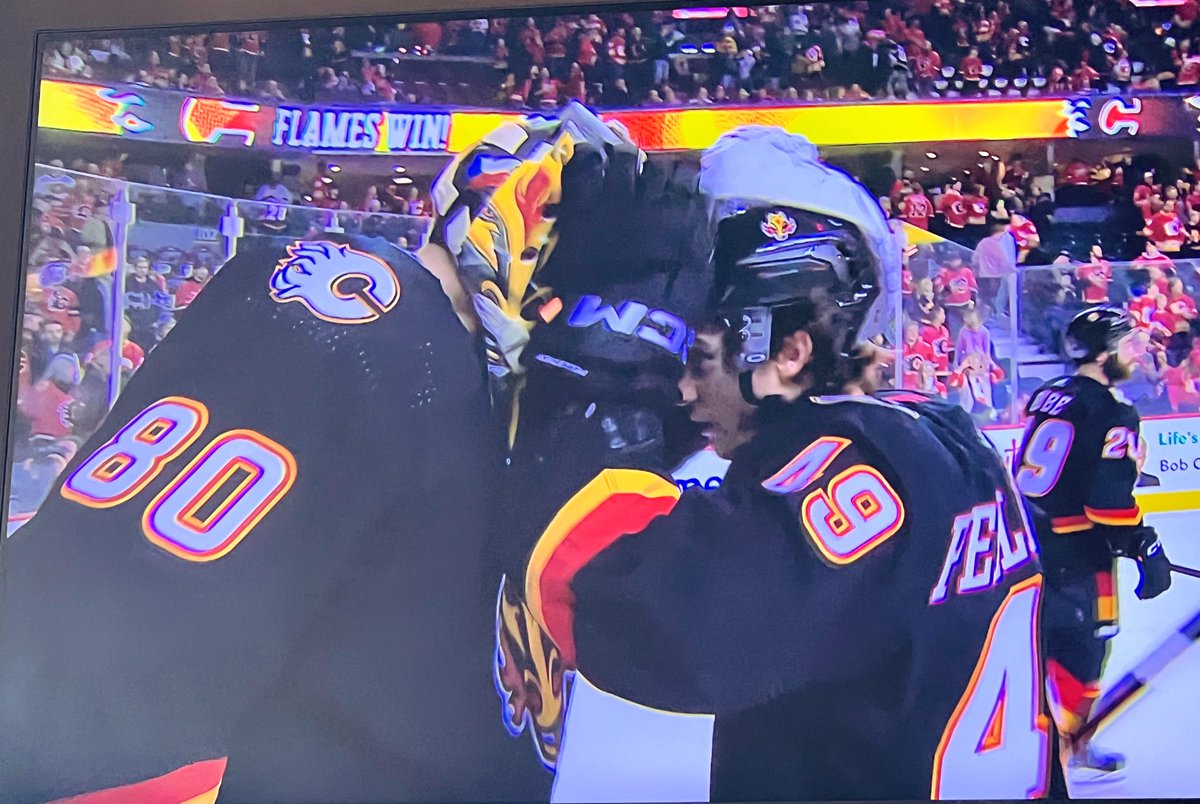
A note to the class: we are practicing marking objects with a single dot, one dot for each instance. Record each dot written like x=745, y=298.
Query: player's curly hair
x=836, y=362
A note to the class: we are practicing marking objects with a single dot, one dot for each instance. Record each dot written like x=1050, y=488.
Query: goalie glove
x=1143, y=546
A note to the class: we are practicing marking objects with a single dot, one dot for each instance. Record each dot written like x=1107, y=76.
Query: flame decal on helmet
x=778, y=226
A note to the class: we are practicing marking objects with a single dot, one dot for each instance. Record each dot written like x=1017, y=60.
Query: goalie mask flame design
x=335, y=282
x=494, y=204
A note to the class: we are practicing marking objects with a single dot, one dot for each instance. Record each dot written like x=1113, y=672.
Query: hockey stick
x=1194, y=573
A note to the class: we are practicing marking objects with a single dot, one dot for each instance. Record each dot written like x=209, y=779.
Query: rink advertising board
x=168, y=116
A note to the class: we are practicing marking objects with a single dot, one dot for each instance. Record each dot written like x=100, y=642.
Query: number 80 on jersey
x=210, y=506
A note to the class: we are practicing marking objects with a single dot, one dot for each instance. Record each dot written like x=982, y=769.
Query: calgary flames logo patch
x=778, y=226
x=336, y=283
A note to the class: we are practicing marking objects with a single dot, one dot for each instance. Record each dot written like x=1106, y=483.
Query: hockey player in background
x=853, y=624
x=1077, y=466
x=266, y=570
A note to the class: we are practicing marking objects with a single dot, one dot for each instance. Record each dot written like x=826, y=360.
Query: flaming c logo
x=336, y=283
x=778, y=226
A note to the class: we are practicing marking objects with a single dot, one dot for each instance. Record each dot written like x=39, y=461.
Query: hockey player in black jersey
x=265, y=572
x=856, y=607
x=1077, y=466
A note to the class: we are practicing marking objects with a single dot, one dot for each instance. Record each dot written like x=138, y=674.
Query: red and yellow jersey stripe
x=616, y=503
x=197, y=783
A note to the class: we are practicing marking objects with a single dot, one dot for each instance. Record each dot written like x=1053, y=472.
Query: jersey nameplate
x=1050, y=402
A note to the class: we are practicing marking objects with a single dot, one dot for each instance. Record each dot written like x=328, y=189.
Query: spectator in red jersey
x=971, y=68
x=1182, y=310
x=60, y=304
x=957, y=290
x=190, y=288
x=576, y=86
x=917, y=356
x=937, y=336
x=927, y=67
x=1094, y=277
x=47, y=403
x=617, y=57
x=1145, y=192
x=1078, y=173
x=1188, y=70
x=916, y=208
x=1164, y=228
x=1142, y=306
x=1025, y=234
x=952, y=207
x=1162, y=320
x=976, y=203
x=1183, y=385
x=1157, y=264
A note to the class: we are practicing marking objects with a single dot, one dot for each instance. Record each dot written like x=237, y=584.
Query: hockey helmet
x=1096, y=330
x=789, y=225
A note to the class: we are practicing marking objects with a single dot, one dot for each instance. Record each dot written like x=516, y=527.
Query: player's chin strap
x=746, y=384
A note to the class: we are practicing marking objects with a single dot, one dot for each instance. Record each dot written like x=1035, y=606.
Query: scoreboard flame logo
x=1076, y=110
x=317, y=276
x=778, y=226
x=208, y=120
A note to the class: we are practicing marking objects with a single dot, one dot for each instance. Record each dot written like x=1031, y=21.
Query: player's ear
x=794, y=354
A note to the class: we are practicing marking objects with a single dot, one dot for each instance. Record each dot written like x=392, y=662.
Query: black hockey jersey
x=271, y=552
x=857, y=605
x=1078, y=465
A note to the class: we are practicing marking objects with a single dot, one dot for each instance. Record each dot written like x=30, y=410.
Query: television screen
x=617, y=404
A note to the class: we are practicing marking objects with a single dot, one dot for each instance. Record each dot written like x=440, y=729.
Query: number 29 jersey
x=1077, y=466
x=269, y=555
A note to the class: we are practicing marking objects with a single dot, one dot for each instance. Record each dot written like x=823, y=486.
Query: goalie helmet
x=496, y=205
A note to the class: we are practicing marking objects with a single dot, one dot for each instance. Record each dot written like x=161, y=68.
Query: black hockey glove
x=1143, y=546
